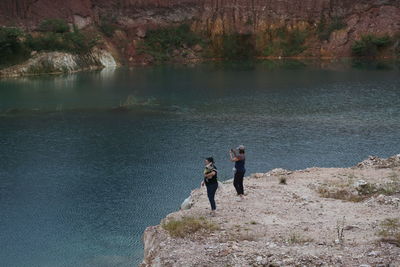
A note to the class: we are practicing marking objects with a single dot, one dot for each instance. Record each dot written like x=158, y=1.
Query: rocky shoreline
x=60, y=62
x=311, y=217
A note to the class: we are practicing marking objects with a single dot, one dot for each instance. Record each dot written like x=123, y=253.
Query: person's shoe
x=212, y=213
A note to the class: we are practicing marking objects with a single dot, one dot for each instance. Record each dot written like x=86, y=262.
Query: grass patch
x=240, y=233
x=296, y=238
x=389, y=231
x=348, y=192
x=187, y=226
x=339, y=193
x=370, y=45
x=242, y=236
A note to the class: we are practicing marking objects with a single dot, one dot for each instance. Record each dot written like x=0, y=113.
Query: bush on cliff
x=325, y=29
x=12, y=48
x=107, y=25
x=370, y=45
x=238, y=46
x=74, y=42
x=293, y=44
x=160, y=43
x=284, y=42
x=54, y=25
x=54, y=35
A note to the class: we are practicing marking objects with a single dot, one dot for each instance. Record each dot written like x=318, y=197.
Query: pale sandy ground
x=284, y=225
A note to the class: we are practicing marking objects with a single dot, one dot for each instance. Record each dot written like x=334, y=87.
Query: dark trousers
x=238, y=182
x=211, y=189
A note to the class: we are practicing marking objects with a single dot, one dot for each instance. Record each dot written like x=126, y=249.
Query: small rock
x=360, y=184
x=350, y=227
x=175, y=52
x=373, y=254
x=141, y=33
x=198, y=48
x=257, y=175
x=187, y=203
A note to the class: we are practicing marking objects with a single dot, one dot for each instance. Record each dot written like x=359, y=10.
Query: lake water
x=88, y=160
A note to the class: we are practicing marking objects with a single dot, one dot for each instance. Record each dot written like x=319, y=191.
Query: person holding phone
x=239, y=170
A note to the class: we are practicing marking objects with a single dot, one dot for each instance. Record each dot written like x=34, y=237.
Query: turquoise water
x=89, y=160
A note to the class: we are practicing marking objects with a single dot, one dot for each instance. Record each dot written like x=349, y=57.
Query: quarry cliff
x=256, y=28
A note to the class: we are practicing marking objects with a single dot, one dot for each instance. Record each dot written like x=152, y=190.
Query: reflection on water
x=89, y=160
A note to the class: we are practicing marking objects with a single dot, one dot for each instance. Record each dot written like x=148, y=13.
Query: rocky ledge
x=60, y=62
x=311, y=217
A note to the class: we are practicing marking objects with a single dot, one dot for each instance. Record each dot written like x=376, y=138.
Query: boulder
x=187, y=203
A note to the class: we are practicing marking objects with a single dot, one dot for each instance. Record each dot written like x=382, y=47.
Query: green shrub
x=270, y=50
x=79, y=42
x=161, y=42
x=369, y=45
x=293, y=44
x=284, y=42
x=12, y=47
x=324, y=29
x=53, y=25
x=73, y=42
x=16, y=46
x=10, y=40
x=107, y=26
x=238, y=46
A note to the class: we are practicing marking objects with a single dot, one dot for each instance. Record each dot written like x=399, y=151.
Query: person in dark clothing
x=239, y=169
x=211, y=182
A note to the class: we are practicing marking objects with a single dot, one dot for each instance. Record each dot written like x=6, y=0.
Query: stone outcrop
x=61, y=62
x=289, y=225
x=376, y=162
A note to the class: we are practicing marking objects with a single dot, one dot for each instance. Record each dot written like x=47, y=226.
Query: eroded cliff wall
x=233, y=11
x=217, y=17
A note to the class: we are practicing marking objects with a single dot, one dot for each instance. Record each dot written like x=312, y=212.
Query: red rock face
x=285, y=10
x=30, y=12
x=218, y=16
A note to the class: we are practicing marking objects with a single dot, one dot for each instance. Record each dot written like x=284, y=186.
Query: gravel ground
x=288, y=225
